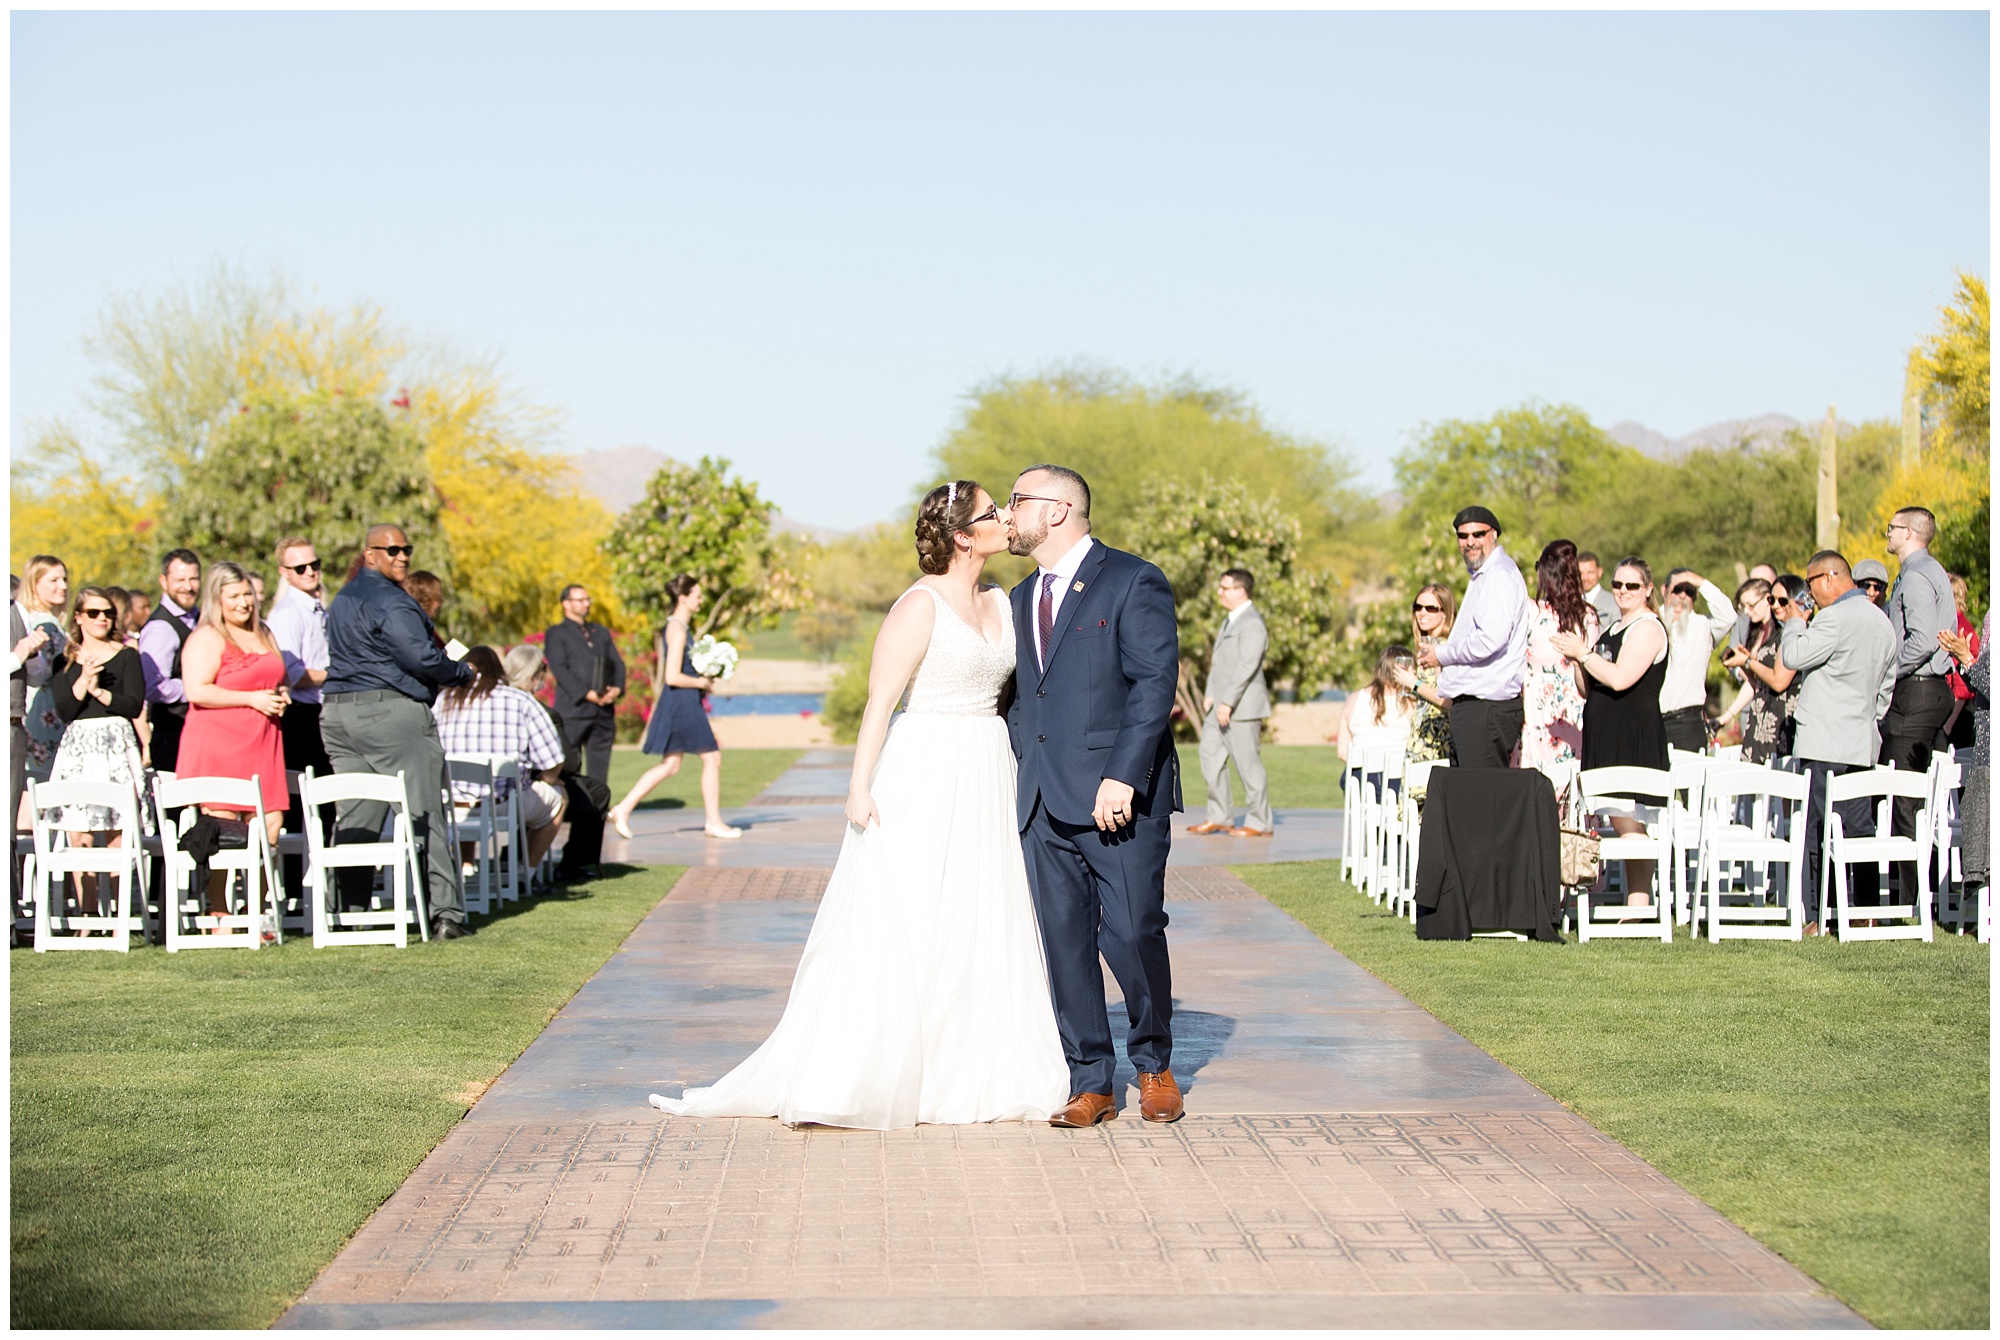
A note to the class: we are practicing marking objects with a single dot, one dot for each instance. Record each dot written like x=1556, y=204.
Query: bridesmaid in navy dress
x=679, y=724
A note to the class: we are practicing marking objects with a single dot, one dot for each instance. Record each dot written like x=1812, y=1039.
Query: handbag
x=1579, y=860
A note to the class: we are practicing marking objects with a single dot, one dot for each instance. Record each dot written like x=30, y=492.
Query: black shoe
x=449, y=930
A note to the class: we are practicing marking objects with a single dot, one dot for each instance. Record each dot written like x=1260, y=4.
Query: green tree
x=317, y=464
x=702, y=520
x=1122, y=434
x=1959, y=361
x=1202, y=529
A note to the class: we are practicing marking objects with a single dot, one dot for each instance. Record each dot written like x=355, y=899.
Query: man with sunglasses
x=384, y=669
x=298, y=623
x=1485, y=660
x=1846, y=655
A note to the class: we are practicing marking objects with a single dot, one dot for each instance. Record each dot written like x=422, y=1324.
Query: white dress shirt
x=1065, y=574
x=298, y=622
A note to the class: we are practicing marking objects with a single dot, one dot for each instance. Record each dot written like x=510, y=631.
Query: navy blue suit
x=1100, y=709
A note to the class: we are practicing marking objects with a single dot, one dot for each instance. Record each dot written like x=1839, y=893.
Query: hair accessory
x=951, y=497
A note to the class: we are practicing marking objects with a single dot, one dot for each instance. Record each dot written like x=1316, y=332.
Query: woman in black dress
x=97, y=692
x=679, y=724
x=1621, y=715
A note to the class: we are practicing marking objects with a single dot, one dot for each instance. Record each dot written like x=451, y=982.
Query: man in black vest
x=160, y=642
x=590, y=674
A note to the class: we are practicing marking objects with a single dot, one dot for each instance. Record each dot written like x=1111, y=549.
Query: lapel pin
x=1077, y=587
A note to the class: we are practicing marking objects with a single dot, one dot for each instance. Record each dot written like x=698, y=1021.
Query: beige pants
x=1237, y=742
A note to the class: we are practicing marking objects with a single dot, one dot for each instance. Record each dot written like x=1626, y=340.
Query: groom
x=1095, y=668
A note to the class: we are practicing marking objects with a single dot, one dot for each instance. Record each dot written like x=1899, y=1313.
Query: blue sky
x=797, y=240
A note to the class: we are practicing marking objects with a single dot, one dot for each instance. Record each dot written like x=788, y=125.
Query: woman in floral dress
x=1552, y=696
x=1431, y=615
x=1769, y=688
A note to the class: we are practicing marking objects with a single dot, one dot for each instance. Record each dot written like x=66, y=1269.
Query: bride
x=922, y=995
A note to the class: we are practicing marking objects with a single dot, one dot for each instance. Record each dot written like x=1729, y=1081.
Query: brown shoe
x=1249, y=832
x=1160, y=1097
x=1812, y=928
x=1205, y=828
x=1086, y=1109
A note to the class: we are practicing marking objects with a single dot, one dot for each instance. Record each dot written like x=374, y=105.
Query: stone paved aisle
x=1347, y=1161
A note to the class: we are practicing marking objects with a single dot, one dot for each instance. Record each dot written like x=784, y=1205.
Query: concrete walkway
x=1346, y=1161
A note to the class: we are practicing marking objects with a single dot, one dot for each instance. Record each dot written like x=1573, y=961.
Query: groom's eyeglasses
x=1016, y=499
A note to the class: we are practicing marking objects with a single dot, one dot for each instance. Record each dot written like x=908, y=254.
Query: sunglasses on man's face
x=395, y=550
x=303, y=568
x=1874, y=588
x=1479, y=534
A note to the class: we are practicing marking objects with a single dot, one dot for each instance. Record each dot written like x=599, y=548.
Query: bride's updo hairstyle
x=943, y=513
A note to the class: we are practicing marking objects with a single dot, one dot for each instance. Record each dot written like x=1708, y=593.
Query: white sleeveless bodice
x=962, y=674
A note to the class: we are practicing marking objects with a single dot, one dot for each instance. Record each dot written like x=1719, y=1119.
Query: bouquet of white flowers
x=712, y=658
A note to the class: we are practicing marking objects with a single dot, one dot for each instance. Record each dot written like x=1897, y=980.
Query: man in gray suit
x=1847, y=657
x=1235, y=703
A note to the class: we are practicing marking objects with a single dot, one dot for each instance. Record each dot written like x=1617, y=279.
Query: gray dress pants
x=385, y=737
x=1236, y=742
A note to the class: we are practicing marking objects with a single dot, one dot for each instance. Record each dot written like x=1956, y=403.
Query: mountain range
x=1764, y=430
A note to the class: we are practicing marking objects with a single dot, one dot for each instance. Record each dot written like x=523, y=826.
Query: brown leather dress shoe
x=1208, y=828
x=1249, y=832
x=1086, y=1109
x=1160, y=1097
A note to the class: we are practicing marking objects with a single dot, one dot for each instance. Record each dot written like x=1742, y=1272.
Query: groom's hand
x=1114, y=805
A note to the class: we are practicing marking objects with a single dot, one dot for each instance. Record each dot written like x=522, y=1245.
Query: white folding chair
x=294, y=914
x=1957, y=905
x=119, y=870
x=1386, y=850
x=1416, y=776
x=395, y=855
x=1683, y=823
x=1912, y=910
x=188, y=922
x=515, y=876
x=1602, y=919
x=1373, y=817
x=479, y=822
x=1350, y=820
x=1767, y=899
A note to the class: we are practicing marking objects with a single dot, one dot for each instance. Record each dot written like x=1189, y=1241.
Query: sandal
x=725, y=831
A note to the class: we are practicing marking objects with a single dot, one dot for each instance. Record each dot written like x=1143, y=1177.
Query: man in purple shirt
x=1485, y=661
x=160, y=641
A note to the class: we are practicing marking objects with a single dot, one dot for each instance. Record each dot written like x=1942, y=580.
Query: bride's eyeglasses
x=990, y=514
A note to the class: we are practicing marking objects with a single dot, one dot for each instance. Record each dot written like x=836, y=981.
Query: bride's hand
x=861, y=810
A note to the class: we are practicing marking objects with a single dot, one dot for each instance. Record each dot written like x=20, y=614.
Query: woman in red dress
x=235, y=679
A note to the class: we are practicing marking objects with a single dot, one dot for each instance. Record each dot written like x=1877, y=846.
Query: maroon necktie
x=1045, y=616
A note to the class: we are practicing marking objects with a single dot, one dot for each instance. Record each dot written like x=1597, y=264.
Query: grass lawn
x=1832, y=1099
x=196, y=1135
x=1303, y=776
x=745, y=772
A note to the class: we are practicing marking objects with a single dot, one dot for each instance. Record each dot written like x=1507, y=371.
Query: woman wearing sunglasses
x=1621, y=715
x=97, y=692
x=1769, y=688
x=1431, y=615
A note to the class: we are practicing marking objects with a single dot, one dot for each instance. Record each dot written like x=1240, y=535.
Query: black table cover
x=1489, y=857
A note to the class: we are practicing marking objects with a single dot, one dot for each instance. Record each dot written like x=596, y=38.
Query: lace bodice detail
x=962, y=674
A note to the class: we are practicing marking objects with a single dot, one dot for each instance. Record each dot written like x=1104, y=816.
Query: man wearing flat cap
x=1485, y=660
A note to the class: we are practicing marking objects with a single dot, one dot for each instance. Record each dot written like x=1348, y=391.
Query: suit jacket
x=1846, y=659
x=1101, y=707
x=573, y=650
x=1236, y=667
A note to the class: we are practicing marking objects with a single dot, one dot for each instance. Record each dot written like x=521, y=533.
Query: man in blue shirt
x=384, y=668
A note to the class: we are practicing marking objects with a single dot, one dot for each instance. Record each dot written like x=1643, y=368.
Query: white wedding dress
x=922, y=995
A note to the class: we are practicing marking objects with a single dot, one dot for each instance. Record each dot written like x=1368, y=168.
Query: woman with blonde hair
x=1432, y=614
x=44, y=597
x=235, y=677
x=1379, y=716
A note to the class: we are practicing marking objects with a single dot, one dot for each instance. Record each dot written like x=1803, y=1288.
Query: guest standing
x=1590, y=572
x=161, y=640
x=1234, y=704
x=1485, y=662
x=44, y=602
x=1770, y=687
x=1431, y=615
x=1552, y=697
x=1621, y=712
x=1920, y=607
x=298, y=622
x=1872, y=576
x=1691, y=640
x=679, y=724
x=1958, y=728
x=590, y=676
x=1847, y=655
x=385, y=667
x=234, y=675
x=98, y=691
x=26, y=649
x=1975, y=801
